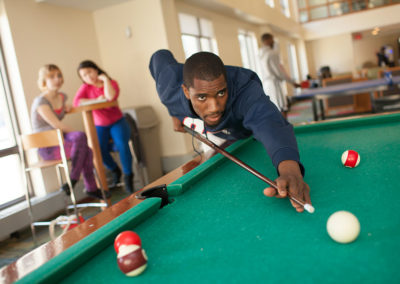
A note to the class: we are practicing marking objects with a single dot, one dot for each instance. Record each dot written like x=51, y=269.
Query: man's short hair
x=203, y=66
x=267, y=36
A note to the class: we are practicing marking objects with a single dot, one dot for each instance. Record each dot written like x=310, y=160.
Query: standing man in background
x=273, y=73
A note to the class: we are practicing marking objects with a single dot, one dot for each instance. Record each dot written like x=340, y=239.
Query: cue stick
x=307, y=207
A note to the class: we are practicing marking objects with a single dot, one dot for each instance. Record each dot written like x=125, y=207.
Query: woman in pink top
x=110, y=122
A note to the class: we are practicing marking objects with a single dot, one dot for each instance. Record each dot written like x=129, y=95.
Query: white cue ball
x=343, y=227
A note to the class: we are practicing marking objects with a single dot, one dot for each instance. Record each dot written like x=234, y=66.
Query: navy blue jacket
x=248, y=110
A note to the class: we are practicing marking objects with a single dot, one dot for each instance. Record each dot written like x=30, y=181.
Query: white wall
x=127, y=59
x=335, y=51
x=365, y=49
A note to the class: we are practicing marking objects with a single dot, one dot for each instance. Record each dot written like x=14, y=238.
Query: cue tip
x=309, y=208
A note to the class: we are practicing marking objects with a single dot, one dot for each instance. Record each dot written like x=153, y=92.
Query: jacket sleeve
x=168, y=73
x=267, y=124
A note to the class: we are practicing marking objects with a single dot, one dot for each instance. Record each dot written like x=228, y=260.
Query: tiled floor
x=300, y=112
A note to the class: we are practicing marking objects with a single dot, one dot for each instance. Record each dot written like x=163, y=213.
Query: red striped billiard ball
x=350, y=159
x=132, y=260
x=127, y=238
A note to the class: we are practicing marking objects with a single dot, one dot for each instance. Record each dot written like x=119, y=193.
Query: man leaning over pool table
x=229, y=102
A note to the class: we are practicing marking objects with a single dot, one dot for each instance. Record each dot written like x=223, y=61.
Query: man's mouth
x=213, y=118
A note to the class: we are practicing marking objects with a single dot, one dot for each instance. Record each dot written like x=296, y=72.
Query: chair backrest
x=42, y=139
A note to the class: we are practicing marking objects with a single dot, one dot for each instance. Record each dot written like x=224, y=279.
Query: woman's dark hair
x=91, y=64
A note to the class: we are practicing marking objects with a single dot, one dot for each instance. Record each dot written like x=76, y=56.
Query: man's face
x=270, y=42
x=208, y=99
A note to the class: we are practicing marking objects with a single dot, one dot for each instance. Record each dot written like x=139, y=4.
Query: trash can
x=148, y=126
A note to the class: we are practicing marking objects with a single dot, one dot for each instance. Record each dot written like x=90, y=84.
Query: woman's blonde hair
x=44, y=73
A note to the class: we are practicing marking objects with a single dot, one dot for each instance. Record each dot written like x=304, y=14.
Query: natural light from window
x=270, y=3
x=249, y=50
x=285, y=7
x=197, y=34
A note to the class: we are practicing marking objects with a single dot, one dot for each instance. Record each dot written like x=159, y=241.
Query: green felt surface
x=222, y=229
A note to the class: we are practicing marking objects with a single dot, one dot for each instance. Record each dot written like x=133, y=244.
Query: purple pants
x=77, y=149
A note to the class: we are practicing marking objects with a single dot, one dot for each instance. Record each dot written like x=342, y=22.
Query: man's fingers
x=307, y=197
x=282, y=187
x=270, y=192
x=296, y=206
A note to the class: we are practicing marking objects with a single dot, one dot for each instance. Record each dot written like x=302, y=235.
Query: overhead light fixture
x=375, y=31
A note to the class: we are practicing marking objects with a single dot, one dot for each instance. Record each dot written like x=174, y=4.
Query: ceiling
x=92, y=5
x=87, y=5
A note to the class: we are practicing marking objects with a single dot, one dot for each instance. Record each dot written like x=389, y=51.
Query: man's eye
x=201, y=98
x=221, y=93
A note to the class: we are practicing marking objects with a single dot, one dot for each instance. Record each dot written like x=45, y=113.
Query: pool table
x=220, y=228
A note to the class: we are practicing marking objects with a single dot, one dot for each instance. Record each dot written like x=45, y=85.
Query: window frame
x=10, y=108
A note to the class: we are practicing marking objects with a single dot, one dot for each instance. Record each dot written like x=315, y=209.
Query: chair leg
x=59, y=176
x=101, y=185
x=28, y=200
x=61, y=182
x=73, y=199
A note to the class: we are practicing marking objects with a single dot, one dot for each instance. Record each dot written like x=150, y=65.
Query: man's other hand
x=178, y=126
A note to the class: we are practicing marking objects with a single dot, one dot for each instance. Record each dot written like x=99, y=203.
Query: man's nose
x=213, y=105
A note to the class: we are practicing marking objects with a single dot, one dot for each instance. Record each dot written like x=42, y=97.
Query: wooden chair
x=44, y=139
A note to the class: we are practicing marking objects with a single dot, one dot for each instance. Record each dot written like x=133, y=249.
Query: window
x=285, y=7
x=310, y=10
x=294, y=68
x=12, y=186
x=197, y=35
x=270, y=3
x=249, y=50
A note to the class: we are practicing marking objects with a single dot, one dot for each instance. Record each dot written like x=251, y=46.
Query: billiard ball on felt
x=350, y=159
x=132, y=260
x=127, y=238
x=343, y=227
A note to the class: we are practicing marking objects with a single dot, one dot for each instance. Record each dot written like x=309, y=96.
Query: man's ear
x=185, y=91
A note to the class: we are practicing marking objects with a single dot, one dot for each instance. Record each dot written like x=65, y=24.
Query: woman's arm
x=109, y=91
x=48, y=115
